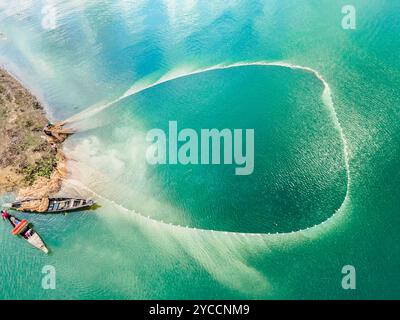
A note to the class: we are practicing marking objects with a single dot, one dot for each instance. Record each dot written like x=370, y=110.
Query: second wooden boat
x=23, y=229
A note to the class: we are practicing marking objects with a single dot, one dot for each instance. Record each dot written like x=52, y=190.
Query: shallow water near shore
x=200, y=231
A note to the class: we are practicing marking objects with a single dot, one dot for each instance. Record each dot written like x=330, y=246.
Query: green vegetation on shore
x=41, y=168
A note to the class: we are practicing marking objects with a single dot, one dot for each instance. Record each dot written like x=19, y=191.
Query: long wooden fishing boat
x=51, y=205
x=23, y=229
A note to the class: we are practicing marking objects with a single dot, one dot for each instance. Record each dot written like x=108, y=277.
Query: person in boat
x=26, y=232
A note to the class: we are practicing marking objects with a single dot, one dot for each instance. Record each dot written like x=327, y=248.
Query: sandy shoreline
x=29, y=159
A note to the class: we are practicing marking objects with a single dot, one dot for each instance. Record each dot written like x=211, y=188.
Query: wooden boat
x=24, y=230
x=51, y=205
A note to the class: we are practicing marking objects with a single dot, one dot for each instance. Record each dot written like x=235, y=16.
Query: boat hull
x=28, y=233
x=55, y=205
x=37, y=242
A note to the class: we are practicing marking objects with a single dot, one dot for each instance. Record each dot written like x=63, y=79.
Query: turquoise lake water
x=324, y=191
